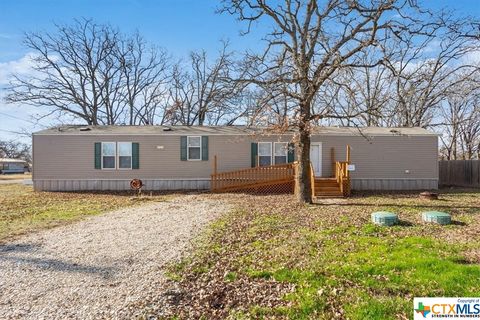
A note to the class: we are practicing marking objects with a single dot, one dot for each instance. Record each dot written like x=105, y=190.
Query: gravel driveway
x=97, y=267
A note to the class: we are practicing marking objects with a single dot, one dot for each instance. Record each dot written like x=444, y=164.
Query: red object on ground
x=136, y=184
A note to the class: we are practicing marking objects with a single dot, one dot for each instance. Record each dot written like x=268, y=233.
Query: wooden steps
x=327, y=188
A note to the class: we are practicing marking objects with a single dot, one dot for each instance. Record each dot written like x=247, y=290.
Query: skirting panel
x=118, y=185
x=199, y=184
x=394, y=184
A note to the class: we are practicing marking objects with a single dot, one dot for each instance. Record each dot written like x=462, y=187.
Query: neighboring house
x=12, y=166
x=178, y=157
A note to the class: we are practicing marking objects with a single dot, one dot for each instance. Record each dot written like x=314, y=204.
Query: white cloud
x=433, y=47
x=6, y=36
x=17, y=117
x=472, y=57
x=22, y=66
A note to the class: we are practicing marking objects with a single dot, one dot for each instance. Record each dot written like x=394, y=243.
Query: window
x=264, y=153
x=280, y=152
x=194, y=148
x=108, y=155
x=125, y=155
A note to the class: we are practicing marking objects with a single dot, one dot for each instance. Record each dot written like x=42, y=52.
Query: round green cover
x=384, y=218
x=436, y=217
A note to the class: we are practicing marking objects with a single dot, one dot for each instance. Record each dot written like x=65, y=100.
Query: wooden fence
x=459, y=173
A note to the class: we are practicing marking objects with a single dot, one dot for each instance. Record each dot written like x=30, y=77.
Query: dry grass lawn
x=271, y=258
x=15, y=176
x=23, y=210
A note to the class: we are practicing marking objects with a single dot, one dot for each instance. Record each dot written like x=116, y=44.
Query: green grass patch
x=339, y=263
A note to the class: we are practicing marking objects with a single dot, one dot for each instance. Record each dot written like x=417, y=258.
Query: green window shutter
x=254, y=153
x=135, y=155
x=291, y=152
x=98, y=155
x=183, y=148
x=204, y=148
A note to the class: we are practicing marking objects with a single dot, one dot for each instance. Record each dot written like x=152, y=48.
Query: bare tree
x=15, y=150
x=144, y=71
x=200, y=92
x=409, y=88
x=426, y=67
x=459, y=120
x=89, y=71
x=452, y=114
x=357, y=96
x=267, y=110
x=470, y=131
x=72, y=69
x=310, y=42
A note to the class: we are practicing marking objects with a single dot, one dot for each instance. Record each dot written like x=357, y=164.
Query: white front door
x=316, y=157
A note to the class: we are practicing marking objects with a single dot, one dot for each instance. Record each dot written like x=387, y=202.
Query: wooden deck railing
x=274, y=177
x=252, y=177
x=343, y=177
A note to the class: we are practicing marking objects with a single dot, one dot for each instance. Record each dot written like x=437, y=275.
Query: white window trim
x=286, y=152
x=118, y=155
x=115, y=155
x=188, y=148
x=271, y=152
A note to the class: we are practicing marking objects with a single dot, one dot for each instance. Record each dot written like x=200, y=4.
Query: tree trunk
x=469, y=152
x=454, y=149
x=303, y=190
x=201, y=116
x=131, y=105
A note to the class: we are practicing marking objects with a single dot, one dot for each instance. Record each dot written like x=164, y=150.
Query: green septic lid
x=436, y=217
x=384, y=218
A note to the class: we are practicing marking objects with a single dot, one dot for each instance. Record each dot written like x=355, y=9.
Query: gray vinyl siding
x=72, y=157
x=66, y=162
x=382, y=157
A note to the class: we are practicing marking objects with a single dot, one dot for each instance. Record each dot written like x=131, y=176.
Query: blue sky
x=178, y=25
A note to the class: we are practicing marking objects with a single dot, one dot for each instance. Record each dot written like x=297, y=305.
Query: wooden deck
x=281, y=179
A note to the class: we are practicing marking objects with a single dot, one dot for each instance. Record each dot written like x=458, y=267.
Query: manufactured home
x=8, y=165
x=70, y=158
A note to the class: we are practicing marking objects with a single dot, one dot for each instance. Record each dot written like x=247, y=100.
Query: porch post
x=215, y=164
x=213, y=180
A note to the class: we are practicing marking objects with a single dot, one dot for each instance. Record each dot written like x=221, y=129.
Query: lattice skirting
x=281, y=188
